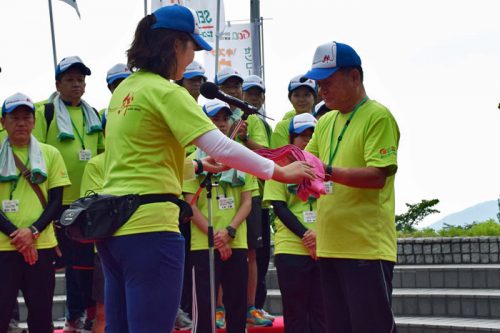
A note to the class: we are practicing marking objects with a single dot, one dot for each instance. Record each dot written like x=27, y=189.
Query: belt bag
x=98, y=216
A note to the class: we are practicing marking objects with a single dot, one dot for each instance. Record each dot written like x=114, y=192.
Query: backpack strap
x=49, y=115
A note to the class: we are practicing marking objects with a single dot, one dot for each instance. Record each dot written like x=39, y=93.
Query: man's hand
x=22, y=239
x=30, y=255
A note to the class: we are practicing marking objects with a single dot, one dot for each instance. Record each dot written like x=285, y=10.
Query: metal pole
x=256, y=52
x=262, y=49
x=217, y=33
x=53, y=35
x=211, y=252
x=145, y=7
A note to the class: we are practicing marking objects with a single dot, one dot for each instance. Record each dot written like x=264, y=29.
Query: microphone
x=210, y=90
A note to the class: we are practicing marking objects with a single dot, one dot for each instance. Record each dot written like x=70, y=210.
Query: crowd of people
x=334, y=255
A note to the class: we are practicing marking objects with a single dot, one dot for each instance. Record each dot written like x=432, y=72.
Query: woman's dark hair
x=153, y=49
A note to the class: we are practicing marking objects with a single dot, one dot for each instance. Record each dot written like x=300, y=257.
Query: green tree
x=407, y=222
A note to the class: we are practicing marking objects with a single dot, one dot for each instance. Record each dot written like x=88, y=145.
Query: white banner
x=206, y=10
x=235, y=50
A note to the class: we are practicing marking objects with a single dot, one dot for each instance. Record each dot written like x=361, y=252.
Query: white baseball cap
x=118, y=71
x=225, y=73
x=213, y=106
x=194, y=69
x=301, y=122
x=320, y=107
x=68, y=62
x=18, y=99
x=329, y=57
x=253, y=81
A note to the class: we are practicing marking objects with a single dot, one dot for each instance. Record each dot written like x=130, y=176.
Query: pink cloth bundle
x=290, y=153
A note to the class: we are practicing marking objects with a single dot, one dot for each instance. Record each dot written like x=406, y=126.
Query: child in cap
x=302, y=95
x=295, y=244
x=231, y=204
x=254, y=135
x=192, y=79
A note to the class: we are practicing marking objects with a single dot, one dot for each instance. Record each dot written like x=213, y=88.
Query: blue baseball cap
x=212, y=107
x=194, y=69
x=118, y=71
x=301, y=122
x=180, y=18
x=329, y=57
x=253, y=81
x=18, y=99
x=71, y=62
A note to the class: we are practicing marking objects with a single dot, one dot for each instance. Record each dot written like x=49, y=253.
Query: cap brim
x=251, y=85
x=201, y=42
x=319, y=73
x=116, y=77
x=223, y=108
x=301, y=129
x=193, y=74
x=16, y=105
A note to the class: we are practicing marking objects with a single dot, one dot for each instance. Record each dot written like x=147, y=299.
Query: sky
x=434, y=64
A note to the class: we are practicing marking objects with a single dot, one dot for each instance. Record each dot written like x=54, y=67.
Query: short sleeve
x=191, y=186
x=257, y=131
x=92, y=179
x=56, y=169
x=381, y=143
x=250, y=183
x=280, y=136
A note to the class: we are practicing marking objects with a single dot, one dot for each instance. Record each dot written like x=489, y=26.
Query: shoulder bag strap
x=27, y=174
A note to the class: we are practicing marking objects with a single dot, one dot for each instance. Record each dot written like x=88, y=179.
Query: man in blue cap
x=356, y=234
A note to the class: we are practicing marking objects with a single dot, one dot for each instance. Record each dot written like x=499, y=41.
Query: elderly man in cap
x=32, y=177
x=356, y=235
x=72, y=126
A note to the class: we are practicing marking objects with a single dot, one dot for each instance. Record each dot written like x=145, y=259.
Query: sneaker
x=254, y=318
x=266, y=315
x=14, y=327
x=182, y=321
x=88, y=325
x=73, y=325
x=220, y=317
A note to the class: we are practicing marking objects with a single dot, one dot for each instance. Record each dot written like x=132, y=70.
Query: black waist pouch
x=98, y=216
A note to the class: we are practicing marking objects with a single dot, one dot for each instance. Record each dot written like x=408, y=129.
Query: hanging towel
x=63, y=119
x=8, y=169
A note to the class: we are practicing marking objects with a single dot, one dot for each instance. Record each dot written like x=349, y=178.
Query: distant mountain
x=480, y=212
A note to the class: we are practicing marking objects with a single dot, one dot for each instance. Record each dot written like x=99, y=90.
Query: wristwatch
x=35, y=232
x=231, y=231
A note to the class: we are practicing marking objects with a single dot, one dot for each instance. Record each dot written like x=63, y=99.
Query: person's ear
x=58, y=85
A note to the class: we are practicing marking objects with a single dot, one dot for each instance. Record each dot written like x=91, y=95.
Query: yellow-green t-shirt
x=221, y=218
x=68, y=148
x=3, y=134
x=281, y=136
x=30, y=207
x=93, y=176
x=285, y=241
x=289, y=115
x=150, y=122
x=353, y=222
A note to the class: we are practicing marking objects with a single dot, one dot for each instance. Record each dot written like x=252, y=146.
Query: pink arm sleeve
x=235, y=155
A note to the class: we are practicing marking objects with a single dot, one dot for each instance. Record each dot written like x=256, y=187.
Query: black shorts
x=98, y=281
x=254, y=224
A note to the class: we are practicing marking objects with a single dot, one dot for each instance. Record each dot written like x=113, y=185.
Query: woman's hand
x=221, y=238
x=309, y=241
x=225, y=252
x=30, y=255
x=294, y=173
x=211, y=165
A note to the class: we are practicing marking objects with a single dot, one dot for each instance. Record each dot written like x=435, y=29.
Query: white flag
x=73, y=4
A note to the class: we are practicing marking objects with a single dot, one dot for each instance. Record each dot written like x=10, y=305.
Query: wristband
x=329, y=170
x=35, y=232
x=199, y=168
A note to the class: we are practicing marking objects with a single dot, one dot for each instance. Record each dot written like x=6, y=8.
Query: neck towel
x=232, y=177
x=63, y=119
x=8, y=169
x=289, y=154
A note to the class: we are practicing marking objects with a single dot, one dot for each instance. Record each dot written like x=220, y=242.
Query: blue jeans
x=143, y=279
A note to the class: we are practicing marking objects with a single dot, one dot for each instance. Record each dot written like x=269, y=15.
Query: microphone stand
x=208, y=185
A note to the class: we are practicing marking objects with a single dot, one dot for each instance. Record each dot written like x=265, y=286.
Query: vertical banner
x=206, y=10
x=235, y=50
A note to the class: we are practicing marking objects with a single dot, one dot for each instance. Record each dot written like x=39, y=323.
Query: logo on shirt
x=386, y=152
x=127, y=101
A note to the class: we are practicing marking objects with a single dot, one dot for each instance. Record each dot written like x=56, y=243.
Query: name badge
x=85, y=154
x=329, y=187
x=309, y=216
x=226, y=203
x=10, y=206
